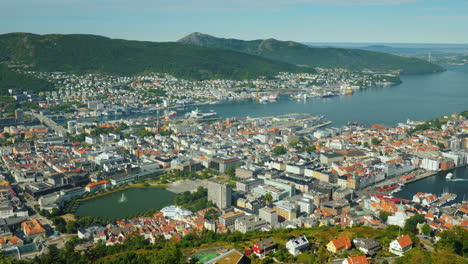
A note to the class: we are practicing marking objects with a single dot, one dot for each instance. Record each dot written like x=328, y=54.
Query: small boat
x=449, y=176
x=197, y=114
x=172, y=114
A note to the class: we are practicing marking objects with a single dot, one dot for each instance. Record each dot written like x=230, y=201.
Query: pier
x=421, y=176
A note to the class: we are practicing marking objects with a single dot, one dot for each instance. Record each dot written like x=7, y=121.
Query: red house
x=264, y=247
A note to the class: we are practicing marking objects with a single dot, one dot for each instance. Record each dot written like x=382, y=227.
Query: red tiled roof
x=357, y=260
x=404, y=241
x=342, y=242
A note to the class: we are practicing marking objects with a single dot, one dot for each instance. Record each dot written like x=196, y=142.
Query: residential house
x=297, y=245
x=401, y=245
x=367, y=245
x=356, y=260
x=264, y=247
x=339, y=245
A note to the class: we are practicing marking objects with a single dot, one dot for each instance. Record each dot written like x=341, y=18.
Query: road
x=59, y=130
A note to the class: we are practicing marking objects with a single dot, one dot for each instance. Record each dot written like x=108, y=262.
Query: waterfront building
x=175, y=212
x=94, y=186
x=220, y=194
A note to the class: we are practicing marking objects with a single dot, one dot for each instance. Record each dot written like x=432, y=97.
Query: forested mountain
x=10, y=79
x=299, y=54
x=90, y=53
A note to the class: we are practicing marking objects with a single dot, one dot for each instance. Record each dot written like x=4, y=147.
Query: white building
x=398, y=219
x=297, y=245
x=401, y=245
x=175, y=212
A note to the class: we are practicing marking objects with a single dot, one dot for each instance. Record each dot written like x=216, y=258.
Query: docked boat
x=169, y=115
x=197, y=114
x=449, y=176
x=272, y=98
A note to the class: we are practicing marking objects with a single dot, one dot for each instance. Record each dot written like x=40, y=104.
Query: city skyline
x=318, y=21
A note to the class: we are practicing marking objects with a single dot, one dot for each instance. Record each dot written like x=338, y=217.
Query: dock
x=421, y=176
x=446, y=197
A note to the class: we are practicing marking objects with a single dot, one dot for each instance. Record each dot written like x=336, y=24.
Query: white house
x=297, y=245
x=398, y=219
x=401, y=245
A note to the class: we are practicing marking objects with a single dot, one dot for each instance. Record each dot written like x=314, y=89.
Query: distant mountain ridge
x=300, y=54
x=91, y=53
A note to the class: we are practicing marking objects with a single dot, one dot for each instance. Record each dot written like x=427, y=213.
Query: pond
x=126, y=203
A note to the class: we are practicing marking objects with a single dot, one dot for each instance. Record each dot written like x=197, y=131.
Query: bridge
x=59, y=130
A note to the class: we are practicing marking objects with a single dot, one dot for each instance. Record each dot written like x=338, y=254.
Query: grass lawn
x=206, y=256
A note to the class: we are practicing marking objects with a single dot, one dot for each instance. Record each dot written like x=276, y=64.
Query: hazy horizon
x=314, y=43
x=331, y=21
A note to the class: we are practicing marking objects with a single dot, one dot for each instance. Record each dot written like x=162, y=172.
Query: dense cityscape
x=227, y=175
x=233, y=132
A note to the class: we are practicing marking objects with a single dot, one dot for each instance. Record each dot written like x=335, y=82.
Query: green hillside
x=299, y=54
x=10, y=79
x=89, y=53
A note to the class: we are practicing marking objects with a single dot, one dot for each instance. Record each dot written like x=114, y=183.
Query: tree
x=279, y=150
x=71, y=227
x=455, y=240
x=268, y=198
x=426, y=229
x=376, y=141
x=412, y=222
x=231, y=171
x=383, y=216
x=170, y=254
x=211, y=215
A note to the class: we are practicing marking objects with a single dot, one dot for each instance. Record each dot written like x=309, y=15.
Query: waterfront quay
x=421, y=176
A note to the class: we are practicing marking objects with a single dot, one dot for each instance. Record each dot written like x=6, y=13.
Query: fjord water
x=137, y=201
x=419, y=97
x=438, y=185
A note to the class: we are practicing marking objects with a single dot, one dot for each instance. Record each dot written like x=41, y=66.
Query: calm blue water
x=419, y=97
x=438, y=184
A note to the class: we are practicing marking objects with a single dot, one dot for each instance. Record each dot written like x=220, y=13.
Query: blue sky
x=386, y=21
